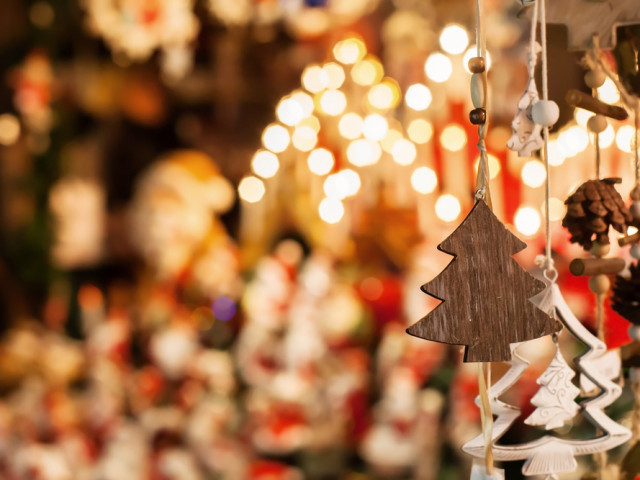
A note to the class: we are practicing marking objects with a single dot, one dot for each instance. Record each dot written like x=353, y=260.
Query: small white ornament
x=527, y=134
x=545, y=113
x=555, y=399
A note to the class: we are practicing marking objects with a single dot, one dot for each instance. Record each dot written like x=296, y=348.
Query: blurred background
x=215, y=217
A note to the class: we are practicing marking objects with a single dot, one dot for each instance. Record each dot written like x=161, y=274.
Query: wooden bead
x=545, y=113
x=478, y=90
x=600, y=249
x=597, y=124
x=478, y=116
x=594, y=78
x=599, y=284
x=634, y=332
x=476, y=65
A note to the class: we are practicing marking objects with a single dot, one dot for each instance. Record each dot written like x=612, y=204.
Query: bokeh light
x=404, y=152
x=333, y=102
x=527, y=221
x=223, y=308
x=350, y=125
x=375, y=127
x=453, y=137
x=349, y=51
x=438, y=67
x=418, y=97
x=533, y=173
x=448, y=207
x=276, y=138
x=424, y=180
x=265, y=163
x=363, y=152
x=420, y=131
x=320, y=161
x=251, y=189
x=454, y=39
x=331, y=210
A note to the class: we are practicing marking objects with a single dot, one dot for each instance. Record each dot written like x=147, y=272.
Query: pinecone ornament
x=626, y=295
x=595, y=206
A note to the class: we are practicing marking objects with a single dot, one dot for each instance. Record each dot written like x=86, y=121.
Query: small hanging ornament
x=555, y=398
x=594, y=207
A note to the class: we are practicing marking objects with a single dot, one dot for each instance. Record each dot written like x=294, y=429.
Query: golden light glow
x=320, y=161
x=404, y=152
x=573, y=140
x=582, y=116
x=420, y=131
x=438, y=67
x=335, y=74
x=251, y=189
x=333, y=102
x=375, y=127
x=349, y=51
x=494, y=165
x=625, y=137
x=556, y=209
x=304, y=138
x=424, y=180
x=608, y=92
x=363, y=152
x=350, y=126
x=341, y=185
x=314, y=78
x=448, y=207
x=331, y=210
x=418, y=97
x=311, y=122
x=454, y=39
x=275, y=138
x=9, y=129
x=471, y=52
x=453, y=137
x=390, y=140
x=265, y=163
x=556, y=155
x=367, y=71
x=289, y=111
x=305, y=101
x=607, y=137
x=527, y=221
x=384, y=95
x=533, y=173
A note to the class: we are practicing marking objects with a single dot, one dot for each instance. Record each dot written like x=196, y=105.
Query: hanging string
x=636, y=146
x=594, y=92
x=548, y=268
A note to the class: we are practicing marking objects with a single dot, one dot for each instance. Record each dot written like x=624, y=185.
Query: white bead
x=634, y=332
x=634, y=251
x=545, y=112
x=478, y=90
x=597, y=124
x=594, y=78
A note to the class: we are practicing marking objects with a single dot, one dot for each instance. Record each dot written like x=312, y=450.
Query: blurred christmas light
x=454, y=39
x=304, y=138
x=607, y=137
x=438, y=67
x=251, y=189
x=289, y=111
x=527, y=221
x=9, y=129
x=533, y=173
x=315, y=79
x=418, y=97
x=573, y=140
x=311, y=122
x=367, y=72
x=624, y=138
x=424, y=180
x=404, y=152
x=305, y=101
x=276, y=138
x=556, y=209
x=556, y=156
x=608, y=92
x=342, y=184
x=494, y=165
x=331, y=210
x=390, y=139
x=375, y=127
x=453, y=137
x=471, y=52
x=333, y=102
x=582, y=116
x=349, y=51
x=320, y=161
x=335, y=74
x=384, y=95
x=448, y=207
x=265, y=164
x=350, y=125
x=363, y=152
x=420, y=131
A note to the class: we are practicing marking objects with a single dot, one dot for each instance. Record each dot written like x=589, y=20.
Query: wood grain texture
x=583, y=18
x=484, y=291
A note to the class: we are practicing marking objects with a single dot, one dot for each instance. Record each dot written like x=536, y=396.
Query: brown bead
x=476, y=65
x=478, y=116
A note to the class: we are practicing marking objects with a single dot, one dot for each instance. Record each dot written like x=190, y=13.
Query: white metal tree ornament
x=550, y=455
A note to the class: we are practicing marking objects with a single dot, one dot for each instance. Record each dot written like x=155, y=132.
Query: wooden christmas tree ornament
x=485, y=292
x=584, y=18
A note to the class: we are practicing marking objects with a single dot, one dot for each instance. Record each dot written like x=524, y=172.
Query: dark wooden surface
x=485, y=292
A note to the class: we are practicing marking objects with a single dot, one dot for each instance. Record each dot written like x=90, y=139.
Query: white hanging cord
x=483, y=179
